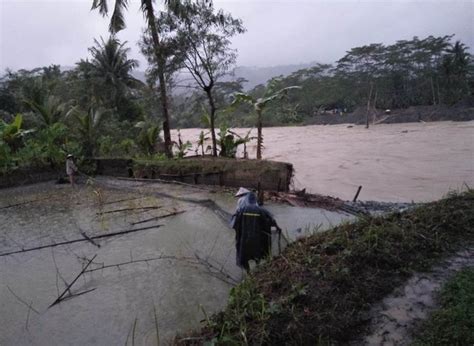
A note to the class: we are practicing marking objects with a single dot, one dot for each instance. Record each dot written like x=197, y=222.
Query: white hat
x=242, y=191
x=69, y=156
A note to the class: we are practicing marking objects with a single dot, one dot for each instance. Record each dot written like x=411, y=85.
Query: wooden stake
x=357, y=194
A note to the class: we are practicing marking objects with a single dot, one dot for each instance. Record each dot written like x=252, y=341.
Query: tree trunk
x=212, y=120
x=368, y=106
x=161, y=77
x=433, y=90
x=374, y=106
x=259, y=136
x=439, y=96
x=166, y=116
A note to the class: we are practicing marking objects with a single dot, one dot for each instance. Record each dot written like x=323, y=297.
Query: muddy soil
x=116, y=304
x=395, y=319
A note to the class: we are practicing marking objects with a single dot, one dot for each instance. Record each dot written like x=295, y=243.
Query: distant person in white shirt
x=71, y=168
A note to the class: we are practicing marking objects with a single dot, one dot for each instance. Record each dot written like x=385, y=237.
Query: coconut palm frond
x=101, y=5
x=117, y=21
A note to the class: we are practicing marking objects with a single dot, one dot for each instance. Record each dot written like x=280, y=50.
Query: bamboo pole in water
x=79, y=240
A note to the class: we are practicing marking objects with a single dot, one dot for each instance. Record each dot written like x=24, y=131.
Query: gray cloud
x=42, y=32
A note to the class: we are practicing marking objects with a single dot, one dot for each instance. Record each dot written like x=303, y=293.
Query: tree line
x=98, y=108
x=429, y=71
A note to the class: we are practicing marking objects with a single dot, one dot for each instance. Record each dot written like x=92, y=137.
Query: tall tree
x=110, y=72
x=205, y=36
x=117, y=23
x=455, y=67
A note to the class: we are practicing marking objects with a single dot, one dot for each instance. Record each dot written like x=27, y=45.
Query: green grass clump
x=321, y=288
x=453, y=322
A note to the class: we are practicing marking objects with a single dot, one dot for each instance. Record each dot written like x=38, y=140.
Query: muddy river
x=177, y=264
x=176, y=268
x=393, y=162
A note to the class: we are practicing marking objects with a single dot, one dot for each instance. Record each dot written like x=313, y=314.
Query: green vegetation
x=98, y=108
x=321, y=288
x=428, y=71
x=259, y=106
x=453, y=322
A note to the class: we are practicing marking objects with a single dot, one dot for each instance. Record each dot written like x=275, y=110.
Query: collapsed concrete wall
x=268, y=175
x=114, y=167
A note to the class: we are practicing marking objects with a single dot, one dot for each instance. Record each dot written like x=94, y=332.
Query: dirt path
x=398, y=314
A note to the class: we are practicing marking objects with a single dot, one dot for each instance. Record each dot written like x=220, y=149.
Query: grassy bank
x=453, y=322
x=321, y=288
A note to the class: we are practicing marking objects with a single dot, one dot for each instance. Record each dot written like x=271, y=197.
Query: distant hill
x=260, y=75
x=254, y=74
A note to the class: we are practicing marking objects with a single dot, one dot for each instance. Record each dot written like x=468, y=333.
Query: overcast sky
x=42, y=32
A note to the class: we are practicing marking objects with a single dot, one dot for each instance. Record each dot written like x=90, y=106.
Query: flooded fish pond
x=138, y=258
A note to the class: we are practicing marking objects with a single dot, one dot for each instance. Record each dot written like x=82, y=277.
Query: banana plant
x=149, y=136
x=201, y=142
x=245, y=139
x=227, y=142
x=12, y=134
x=259, y=106
x=183, y=147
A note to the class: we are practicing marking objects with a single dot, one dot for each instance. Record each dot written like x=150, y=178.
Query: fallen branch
x=79, y=240
x=28, y=315
x=218, y=273
x=58, y=274
x=128, y=209
x=22, y=301
x=70, y=296
x=164, y=181
x=122, y=200
x=58, y=300
x=89, y=239
x=158, y=217
x=145, y=260
x=23, y=203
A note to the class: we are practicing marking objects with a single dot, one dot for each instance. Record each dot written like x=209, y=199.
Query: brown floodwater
x=393, y=162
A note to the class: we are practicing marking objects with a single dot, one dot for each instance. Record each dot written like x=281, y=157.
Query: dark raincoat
x=252, y=226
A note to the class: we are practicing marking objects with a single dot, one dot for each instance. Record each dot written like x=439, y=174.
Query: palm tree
x=51, y=110
x=88, y=127
x=117, y=23
x=111, y=69
x=259, y=106
x=455, y=67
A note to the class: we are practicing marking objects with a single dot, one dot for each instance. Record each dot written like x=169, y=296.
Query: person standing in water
x=253, y=234
x=71, y=169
